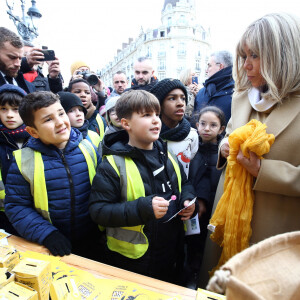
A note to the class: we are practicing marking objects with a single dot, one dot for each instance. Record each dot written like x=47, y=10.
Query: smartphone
x=49, y=55
x=195, y=79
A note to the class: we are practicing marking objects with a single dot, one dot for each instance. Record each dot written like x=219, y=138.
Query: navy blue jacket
x=68, y=186
x=217, y=91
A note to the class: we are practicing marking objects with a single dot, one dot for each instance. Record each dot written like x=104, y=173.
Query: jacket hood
x=117, y=144
x=51, y=150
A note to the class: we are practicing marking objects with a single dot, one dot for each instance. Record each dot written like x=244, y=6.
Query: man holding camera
x=79, y=69
x=11, y=52
x=32, y=64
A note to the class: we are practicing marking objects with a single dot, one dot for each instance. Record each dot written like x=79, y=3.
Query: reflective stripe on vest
x=31, y=166
x=95, y=138
x=2, y=193
x=101, y=126
x=131, y=241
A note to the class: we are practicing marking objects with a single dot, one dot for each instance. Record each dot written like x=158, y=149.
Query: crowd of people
x=117, y=174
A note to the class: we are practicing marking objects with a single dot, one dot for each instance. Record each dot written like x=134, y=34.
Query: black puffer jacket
x=108, y=209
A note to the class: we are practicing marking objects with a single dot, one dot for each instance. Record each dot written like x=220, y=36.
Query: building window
x=162, y=34
x=203, y=36
x=182, y=20
x=181, y=49
x=149, y=52
x=169, y=21
x=161, y=51
x=197, y=66
x=161, y=75
x=161, y=65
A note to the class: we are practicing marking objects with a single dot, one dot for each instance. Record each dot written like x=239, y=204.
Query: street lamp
x=26, y=25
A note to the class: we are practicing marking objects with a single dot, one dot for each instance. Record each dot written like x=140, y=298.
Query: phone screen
x=195, y=79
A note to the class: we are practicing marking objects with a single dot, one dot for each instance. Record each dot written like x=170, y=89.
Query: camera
x=92, y=79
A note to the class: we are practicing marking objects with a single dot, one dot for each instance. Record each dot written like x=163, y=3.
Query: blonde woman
x=267, y=88
x=186, y=77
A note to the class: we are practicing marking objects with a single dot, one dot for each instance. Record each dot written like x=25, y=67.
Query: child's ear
x=125, y=124
x=221, y=129
x=32, y=131
x=197, y=124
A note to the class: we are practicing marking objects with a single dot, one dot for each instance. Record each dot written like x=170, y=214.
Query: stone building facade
x=178, y=43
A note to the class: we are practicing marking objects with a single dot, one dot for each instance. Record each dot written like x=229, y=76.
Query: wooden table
x=105, y=271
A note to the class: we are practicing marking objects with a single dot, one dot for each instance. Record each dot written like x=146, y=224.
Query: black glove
x=57, y=244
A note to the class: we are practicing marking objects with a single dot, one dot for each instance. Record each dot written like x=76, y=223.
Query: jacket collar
x=280, y=117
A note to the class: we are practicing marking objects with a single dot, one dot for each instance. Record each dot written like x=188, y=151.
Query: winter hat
x=111, y=103
x=165, y=86
x=12, y=88
x=69, y=100
x=78, y=64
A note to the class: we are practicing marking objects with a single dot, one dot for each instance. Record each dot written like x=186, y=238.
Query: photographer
x=32, y=69
x=80, y=70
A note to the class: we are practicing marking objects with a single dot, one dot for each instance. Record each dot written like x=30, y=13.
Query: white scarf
x=257, y=103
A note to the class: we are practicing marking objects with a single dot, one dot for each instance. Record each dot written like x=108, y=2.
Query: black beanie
x=165, y=86
x=69, y=100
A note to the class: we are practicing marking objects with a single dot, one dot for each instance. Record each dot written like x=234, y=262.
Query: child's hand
x=225, y=149
x=202, y=207
x=160, y=206
x=187, y=212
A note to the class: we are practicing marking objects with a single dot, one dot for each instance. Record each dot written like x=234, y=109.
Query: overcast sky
x=93, y=30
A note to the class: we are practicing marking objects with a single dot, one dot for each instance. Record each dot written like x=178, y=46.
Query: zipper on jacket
x=72, y=192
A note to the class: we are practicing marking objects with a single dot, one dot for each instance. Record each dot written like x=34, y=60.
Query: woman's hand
x=251, y=164
x=225, y=149
x=194, y=88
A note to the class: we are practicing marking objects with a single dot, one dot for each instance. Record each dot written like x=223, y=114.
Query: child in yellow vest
x=49, y=183
x=131, y=191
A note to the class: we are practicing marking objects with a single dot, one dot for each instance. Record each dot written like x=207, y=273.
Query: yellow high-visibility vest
x=131, y=241
x=2, y=192
x=31, y=166
x=101, y=126
x=95, y=138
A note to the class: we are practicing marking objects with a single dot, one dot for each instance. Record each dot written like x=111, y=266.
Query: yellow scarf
x=232, y=217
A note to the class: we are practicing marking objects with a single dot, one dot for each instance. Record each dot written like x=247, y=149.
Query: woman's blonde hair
x=185, y=75
x=275, y=38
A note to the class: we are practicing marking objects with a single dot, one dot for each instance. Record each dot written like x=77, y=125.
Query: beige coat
x=277, y=187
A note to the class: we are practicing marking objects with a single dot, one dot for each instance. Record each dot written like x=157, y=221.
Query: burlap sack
x=269, y=270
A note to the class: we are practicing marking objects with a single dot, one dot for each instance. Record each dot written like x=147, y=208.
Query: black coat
x=108, y=209
x=27, y=86
x=204, y=174
x=147, y=87
x=41, y=82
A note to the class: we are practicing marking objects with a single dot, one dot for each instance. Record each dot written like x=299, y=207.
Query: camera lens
x=92, y=79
